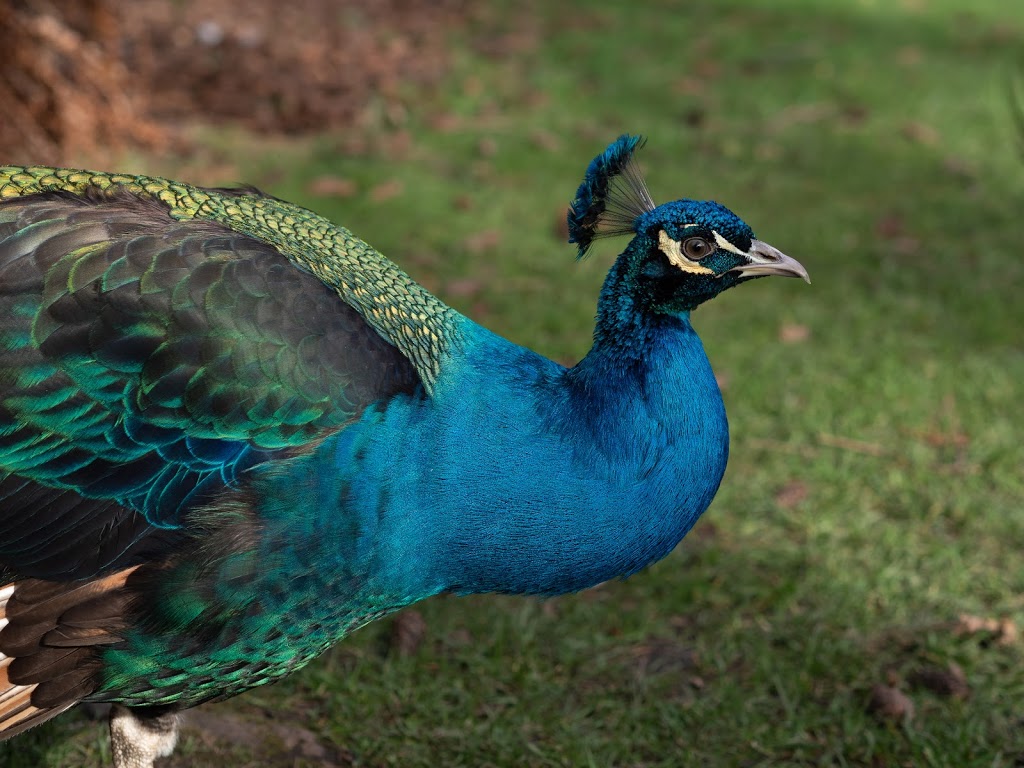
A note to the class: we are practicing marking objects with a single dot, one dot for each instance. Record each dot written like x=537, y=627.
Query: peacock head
x=684, y=252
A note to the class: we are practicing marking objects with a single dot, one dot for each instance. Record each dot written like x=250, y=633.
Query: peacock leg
x=138, y=738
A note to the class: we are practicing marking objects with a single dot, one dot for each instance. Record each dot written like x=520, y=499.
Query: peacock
x=231, y=433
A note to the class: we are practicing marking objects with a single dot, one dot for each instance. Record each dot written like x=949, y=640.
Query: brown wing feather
x=48, y=642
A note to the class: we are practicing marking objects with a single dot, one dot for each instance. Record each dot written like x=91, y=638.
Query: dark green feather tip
x=612, y=196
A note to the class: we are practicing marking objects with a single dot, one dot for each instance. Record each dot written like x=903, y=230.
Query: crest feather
x=611, y=198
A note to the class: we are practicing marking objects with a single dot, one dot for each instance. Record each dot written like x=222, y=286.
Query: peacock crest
x=612, y=196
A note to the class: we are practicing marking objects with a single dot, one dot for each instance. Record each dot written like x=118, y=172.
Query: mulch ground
x=86, y=74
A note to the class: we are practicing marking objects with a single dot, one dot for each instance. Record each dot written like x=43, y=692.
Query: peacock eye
x=696, y=248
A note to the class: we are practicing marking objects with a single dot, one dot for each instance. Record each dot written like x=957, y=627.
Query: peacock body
x=231, y=433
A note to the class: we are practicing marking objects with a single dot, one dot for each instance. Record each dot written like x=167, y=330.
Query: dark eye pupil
x=696, y=248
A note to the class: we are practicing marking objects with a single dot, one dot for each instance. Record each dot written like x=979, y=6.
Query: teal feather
x=231, y=433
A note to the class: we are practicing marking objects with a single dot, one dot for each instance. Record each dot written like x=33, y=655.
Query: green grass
x=874, y=492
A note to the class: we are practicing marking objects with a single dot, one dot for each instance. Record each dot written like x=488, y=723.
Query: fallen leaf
x=1001, y=631
x=921, y=133
x=705, y=530
x=794, y=333
x=906, y=246
x=890, y=703
x=396, y=144
x=959, y=167
x=657, y=657
x=695, y=117
x=355, y=145
x=791, y=494
x=688, y=86
x=889, y=226
x=535, y=99
x=937, y=439
x=463, y=286
x=485, y=240
x=909, y=56
x=386, y=190
x=849, y=444
x=446, y=122
x=460, y=638
x=332, y=186
x=854, y=114
x=487, y=147
x=802, y=114
x=472, y=86
x=546, y=141
x=948, y=681
x=707, y=69
x=681, y=623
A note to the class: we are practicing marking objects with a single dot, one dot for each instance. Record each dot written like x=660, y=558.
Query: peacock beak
x=767, y=260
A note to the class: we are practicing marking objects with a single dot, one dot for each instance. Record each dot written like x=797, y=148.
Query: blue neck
x=626, y=451
x=520, y=476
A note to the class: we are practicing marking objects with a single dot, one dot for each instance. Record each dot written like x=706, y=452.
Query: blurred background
x=854, y=594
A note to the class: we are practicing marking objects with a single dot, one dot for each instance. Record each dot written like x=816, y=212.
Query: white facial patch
x=725, y=245
x=674, y=251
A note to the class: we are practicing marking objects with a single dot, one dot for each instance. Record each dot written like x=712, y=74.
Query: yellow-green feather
x=401, y=310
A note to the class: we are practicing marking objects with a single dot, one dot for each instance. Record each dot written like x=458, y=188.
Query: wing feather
x=145, y=362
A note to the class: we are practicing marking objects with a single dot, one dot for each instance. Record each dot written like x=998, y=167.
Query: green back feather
x=403, y=312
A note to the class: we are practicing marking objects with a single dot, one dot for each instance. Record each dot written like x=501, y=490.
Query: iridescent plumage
x=231, y=433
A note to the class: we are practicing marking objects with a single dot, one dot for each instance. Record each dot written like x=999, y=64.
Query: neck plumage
x=519, y=476
x=604, y=467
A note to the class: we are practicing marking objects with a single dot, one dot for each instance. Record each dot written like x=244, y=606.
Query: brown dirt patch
x=90, y=74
